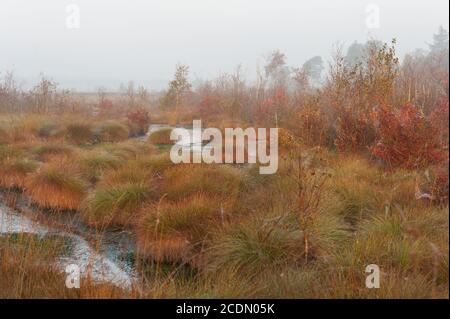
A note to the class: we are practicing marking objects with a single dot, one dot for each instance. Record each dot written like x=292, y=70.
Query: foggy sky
x=121, y=40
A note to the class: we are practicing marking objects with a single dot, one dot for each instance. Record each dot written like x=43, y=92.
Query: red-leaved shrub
x=139, y=120
x=355, y=131
x=105, y=106
x=313, y=127
x=439, y=118
x=210, y=104
x=407, y=138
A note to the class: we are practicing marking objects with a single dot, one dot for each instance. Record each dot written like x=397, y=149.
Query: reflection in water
x=196, y=145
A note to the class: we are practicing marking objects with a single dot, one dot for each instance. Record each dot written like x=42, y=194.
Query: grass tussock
x=53, y=151
x=358, y=185
x=183, y=180
x=404, y=241
x=176, y=231
x=274, y=240
x=9, y=151
x=128, y=150
x=404, y=244
x=158, y=163
x=14, y=172
x=57, y=187
x=252, y=246
x=79, y=133
x=161, y=137
x=95, y=164
x=111, y=132
x=48, y=129
x=132, y=172
x=115, y=204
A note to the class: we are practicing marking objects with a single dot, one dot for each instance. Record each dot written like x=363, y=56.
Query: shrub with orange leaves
x=105, y=106
x=287, y=140
x=280, y=96
x=407, y=138
x=210, y=104
x=139, y=121
x=274, y=109
x=313, y=127
x=439, y=117
x=264, y=112
x=355, y=131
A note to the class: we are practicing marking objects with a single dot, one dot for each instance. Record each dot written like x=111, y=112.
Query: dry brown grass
x=221, y=181
x=161, y=137
x=28, y=270
x=115, y=204
x=239, y=233
x=57, y=187
x=175, y=231
x=14, y=172
x=49, y=152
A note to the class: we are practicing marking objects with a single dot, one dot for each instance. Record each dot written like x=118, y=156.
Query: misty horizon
x=117, y=42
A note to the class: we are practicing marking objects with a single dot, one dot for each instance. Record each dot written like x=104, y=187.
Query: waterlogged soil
x=192, y=142
x=106, y=256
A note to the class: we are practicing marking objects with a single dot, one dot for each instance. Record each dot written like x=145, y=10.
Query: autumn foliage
x=140, y=120
x=439, y=118
x=354, y=131
x=313, y=126
x=407, y=138
x=105, y=106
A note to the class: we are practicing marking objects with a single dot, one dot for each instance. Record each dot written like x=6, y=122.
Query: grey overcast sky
x=121, y=40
